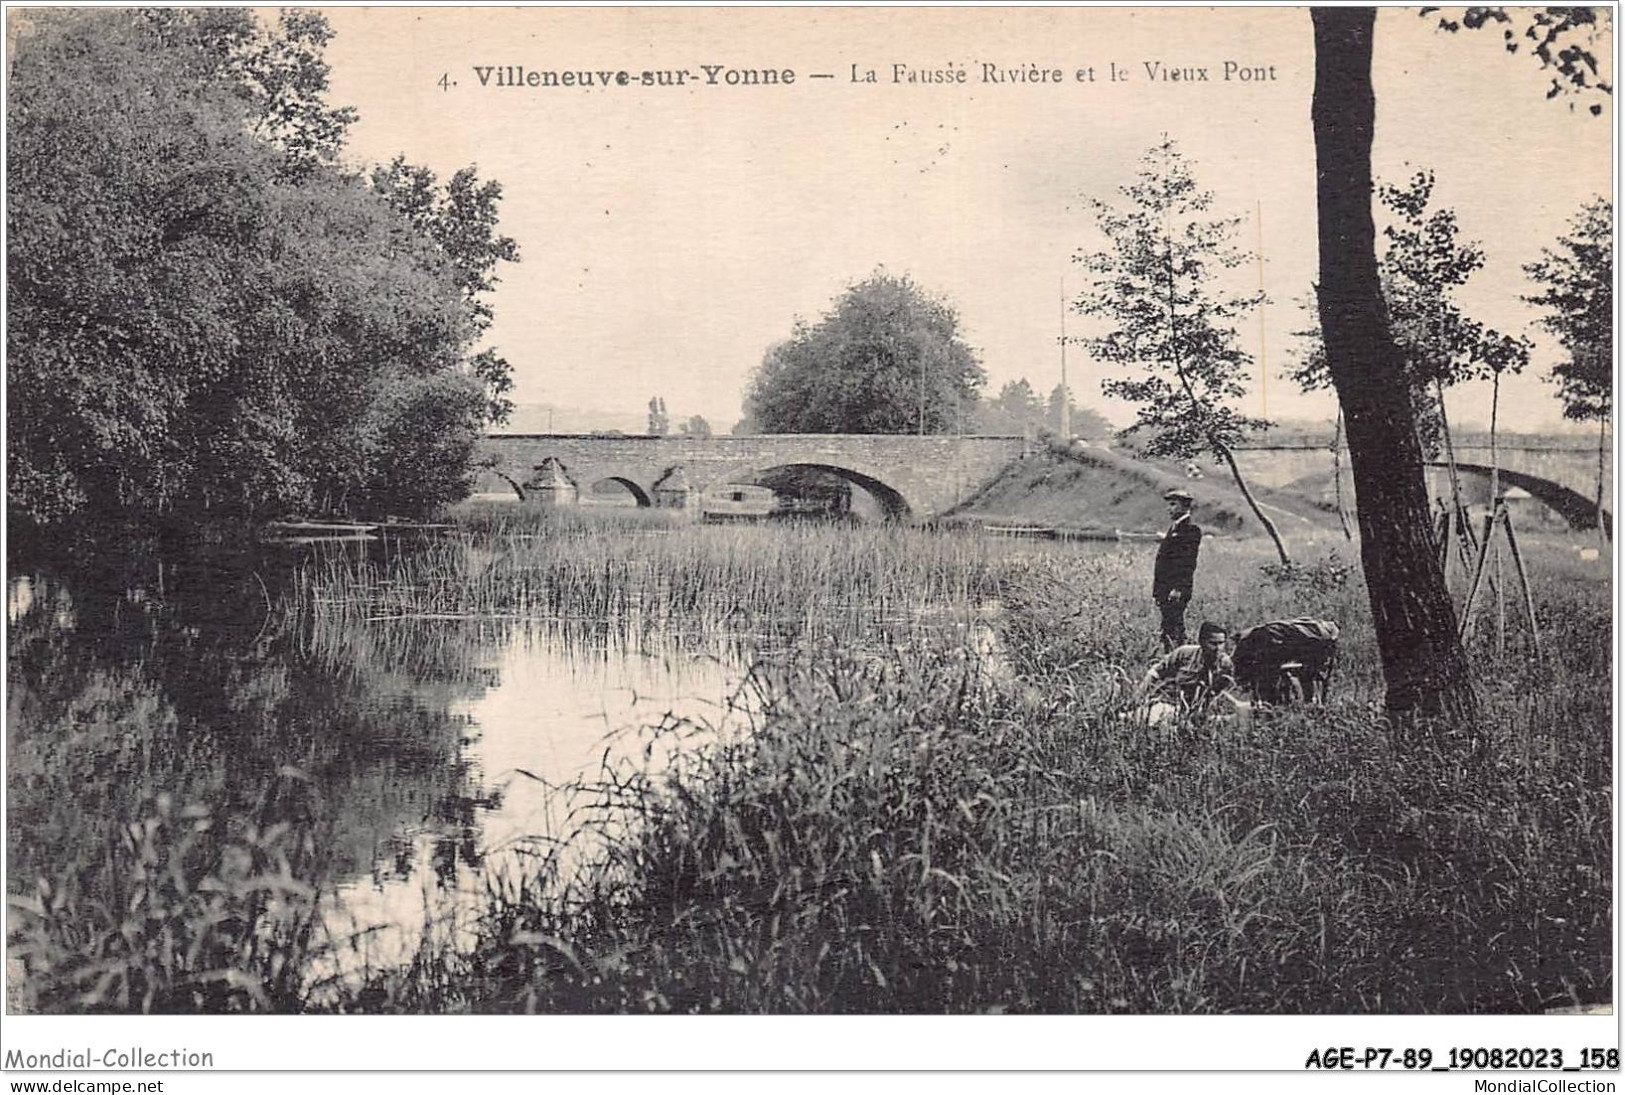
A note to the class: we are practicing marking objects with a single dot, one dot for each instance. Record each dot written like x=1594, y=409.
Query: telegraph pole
x=1263, y=368
x=1066, y=392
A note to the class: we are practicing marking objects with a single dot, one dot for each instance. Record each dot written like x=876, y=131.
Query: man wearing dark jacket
x=1176, y=568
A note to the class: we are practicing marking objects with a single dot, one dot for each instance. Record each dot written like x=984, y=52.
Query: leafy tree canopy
x=696, y=426
x=1577, y=292
x=1564, y=39
x=1083, y=421
x=1423, y=265
x=1172, y=321
x=209, y=318
x=887, y=358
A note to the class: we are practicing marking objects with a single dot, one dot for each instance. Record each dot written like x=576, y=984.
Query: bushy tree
x=1421, y=268
x=887, y=358
x=1577, y=292
x=1016, y=409
x=1172, y=321
x=1083, y=421
x=696, y=426
x=208, y=315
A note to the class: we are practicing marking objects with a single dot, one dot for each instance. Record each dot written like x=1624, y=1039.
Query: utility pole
x=1066, y=392
x=1263, y=368
x=922, y=394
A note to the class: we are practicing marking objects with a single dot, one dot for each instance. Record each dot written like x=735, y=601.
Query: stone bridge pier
x=906, y=476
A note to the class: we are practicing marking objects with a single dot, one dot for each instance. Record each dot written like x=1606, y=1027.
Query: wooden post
x=1478, y=576
x=1523, y=579
x=1499, y=505
x=1337, y=475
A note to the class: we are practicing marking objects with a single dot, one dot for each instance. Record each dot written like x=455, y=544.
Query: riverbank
x=896, y=825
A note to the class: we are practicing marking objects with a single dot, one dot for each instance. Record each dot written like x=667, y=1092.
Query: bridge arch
x=637, y=492
x=893, y=506
x=1575, y=508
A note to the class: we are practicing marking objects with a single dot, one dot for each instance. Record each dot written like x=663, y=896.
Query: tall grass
x=907, y=831
x=186, y=912
x=913, y=819
x=642, y=575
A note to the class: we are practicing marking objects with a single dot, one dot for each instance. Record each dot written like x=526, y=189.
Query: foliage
x=1018, y=410
x=189, y=913
x=886, y=358
x=203, y=306
x=1578, y=294
x=696, y=426
x=1422, y=267
x=1085, y=421
x=1173, y=321
x=1561, y=39
x=461, y=220
x=1014, y=410
x=1157, y=286
x=421, y=434
x=659, y=421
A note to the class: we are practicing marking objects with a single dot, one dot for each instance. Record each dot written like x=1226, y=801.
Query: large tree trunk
x=1422, y=659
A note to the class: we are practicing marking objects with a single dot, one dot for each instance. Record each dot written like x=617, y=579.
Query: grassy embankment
x=1099, y=490
x=906, y=827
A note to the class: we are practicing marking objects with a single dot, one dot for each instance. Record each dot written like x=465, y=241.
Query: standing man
x=1176, y=568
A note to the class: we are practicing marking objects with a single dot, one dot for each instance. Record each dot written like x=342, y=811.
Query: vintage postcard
x=1092, y=514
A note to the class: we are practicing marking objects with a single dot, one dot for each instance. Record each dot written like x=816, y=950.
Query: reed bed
x=976, y=817
x=640, y=576
x=897, y=834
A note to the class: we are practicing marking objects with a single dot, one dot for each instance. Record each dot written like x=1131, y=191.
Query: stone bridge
x=906, y=475
x=1559, y=471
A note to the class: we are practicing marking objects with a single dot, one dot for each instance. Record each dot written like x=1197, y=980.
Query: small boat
x=414, y=528
x=1046, y=532
x=315, y=530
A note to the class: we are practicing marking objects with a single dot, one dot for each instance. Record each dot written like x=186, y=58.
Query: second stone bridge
x=907, y=476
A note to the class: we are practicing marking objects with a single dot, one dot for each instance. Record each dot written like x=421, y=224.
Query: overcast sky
x=669, y=235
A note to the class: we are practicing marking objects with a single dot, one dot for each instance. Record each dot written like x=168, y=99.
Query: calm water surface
x=427, y=753
x=434, y=748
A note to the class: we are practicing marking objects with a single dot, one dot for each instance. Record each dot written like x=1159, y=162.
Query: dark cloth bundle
x=1286, y=660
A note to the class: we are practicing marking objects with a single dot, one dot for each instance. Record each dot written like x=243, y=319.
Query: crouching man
x=1192, y=681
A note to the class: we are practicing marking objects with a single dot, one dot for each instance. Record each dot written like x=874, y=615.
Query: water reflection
x=557, y=714
x=434, y=745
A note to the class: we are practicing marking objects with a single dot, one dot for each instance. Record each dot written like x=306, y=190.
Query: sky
x=670, y=235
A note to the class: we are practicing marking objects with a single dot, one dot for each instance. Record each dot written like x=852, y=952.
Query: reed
x=932, y=809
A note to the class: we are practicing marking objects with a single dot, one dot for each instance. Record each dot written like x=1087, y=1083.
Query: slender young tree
x=1158, y=284
x=1425, y=262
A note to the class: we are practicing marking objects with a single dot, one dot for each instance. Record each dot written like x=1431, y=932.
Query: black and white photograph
x=1092, y=516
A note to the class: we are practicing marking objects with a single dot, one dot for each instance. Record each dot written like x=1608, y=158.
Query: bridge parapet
x=914, y=475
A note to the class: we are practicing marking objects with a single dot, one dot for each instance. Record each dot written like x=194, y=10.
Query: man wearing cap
x=1176, y=568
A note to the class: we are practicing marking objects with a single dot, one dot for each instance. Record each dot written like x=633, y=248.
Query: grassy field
x=943, y=806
